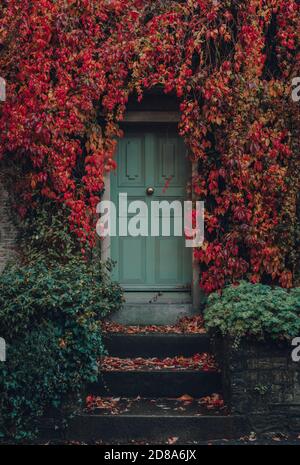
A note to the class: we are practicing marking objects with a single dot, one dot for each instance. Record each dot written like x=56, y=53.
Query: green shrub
x=49, y=317
x=254, y=310
x=45, y=235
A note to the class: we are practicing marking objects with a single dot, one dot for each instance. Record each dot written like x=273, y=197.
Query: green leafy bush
x=45, y=235
x=254, y=310
x=49, y=317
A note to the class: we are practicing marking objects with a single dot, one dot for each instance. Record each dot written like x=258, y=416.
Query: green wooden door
x=158, y=160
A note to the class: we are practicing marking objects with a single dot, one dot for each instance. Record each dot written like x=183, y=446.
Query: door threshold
x=158, y=297
x=152, y=314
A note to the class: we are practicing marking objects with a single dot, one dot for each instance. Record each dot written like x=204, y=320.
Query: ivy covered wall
x=8, y=231
x=231, y=65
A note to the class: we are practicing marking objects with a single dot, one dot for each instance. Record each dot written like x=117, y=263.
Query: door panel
x=132, y=250
x=155, y=160
x=131, y=171
x=168, y=261
x=171, y=166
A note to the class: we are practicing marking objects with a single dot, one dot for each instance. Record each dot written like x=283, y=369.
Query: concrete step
x=155, y=345
x=155, y=421
x=152, y=313
x=91, y=428
x=157, y=383
x=161, y=297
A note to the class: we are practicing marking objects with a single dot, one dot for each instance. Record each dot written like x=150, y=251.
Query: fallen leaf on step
x=172, y=440
x=204, y=362
x=186, y=325
x=212, y=402
x=109, y=404
x=186, y=398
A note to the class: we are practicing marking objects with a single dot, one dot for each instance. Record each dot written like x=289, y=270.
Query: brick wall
x=261, y=382
x=7, y=229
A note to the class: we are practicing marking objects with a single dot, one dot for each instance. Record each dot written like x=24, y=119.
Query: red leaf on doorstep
x=172, y=440
x=213, y=401
x=204, y=361
x=186, y=398
x=186, y=325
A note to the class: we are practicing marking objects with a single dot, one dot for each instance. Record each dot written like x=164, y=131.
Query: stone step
x=162, y=297
x=156, y=430
x=156, y=422
x=155, y=345
x=152, y=313
x=157, y=383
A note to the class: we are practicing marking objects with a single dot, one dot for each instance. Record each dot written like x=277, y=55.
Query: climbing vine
x=70, y=67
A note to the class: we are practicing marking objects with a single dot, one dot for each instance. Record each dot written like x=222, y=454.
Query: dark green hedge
x=49, y=317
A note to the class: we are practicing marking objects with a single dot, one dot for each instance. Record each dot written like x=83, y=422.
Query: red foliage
x=121, y=405
x=186, y=325
x=204, y=362
x=230, y=64
x=215, y=401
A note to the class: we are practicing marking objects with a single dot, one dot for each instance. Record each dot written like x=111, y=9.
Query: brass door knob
x=150, y=191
